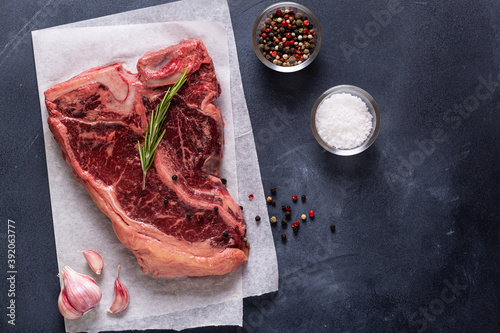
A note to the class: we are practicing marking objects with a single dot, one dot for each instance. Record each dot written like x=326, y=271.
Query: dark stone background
x=417, y=215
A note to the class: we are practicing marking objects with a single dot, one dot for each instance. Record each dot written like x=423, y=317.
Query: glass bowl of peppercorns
x=286, y=37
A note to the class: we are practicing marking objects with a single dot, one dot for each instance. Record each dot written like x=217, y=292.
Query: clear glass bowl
x=372, y=108
x=298, y=8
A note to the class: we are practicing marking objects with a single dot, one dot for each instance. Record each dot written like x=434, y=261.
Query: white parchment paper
x=63, y=52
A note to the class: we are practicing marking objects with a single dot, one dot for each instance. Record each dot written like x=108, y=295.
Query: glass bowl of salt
x=345, y=120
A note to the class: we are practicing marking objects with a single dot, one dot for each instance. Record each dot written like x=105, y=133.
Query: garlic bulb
x=65, y=307
x=81, y=290
x=120, y=296
x=94, y=260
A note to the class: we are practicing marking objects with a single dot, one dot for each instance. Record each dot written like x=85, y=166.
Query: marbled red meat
x=188, y=226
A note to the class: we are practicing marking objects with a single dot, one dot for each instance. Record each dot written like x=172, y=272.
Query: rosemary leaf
x=153, y=136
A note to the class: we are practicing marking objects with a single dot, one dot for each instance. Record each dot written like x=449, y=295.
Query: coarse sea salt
x=343, y=121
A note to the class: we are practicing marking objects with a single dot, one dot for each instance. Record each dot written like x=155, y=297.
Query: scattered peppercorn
x=188, y=215
x=225, y=234
x=269, y=199
x=174, y=177
x=295, y=225
x=294, y=198
x=288, y=214
x=273, y=203
x=311, y=213
x=283, y=237
x=224, y=181
x=332, y=227
x=283, y=223
x=288, y=208
x=274, y=219
x=216, y=209
x=303, y=217
x=250, y=197
x=303, y=197
x=245, y=239
x=165, y=201
x=237, y=228
x=273, y=190
x=283, y=208
x=210, y=216
x=247, y=245
x=241, y=207
x=257, y=218
x=199, y=217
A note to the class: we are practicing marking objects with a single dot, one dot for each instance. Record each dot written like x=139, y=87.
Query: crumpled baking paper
x=156, y=303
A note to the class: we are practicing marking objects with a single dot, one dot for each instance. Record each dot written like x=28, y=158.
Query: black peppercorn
x=241, y=207
x=216, y=209
x=165, y=201
x=303, y=197
x=224, y=181
x=332, y=227
x=288, y=214
x=273, y=190
x=283, y=208
x=257, y=218
x=283, y=237
x=188, y=215
x=283, y=223
x=225, y=234
x=174, y=177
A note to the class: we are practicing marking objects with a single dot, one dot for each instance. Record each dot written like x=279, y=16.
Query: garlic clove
x=82, y=291
x=65, y=307
x=120, y=296
x=94, y=260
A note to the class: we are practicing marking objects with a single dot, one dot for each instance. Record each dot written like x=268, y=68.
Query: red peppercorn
x=287, y=16
x=264, y=35
x=292, y=42
x=284, y=24
x=268, y=30
x=250, y=196
x=289, y=25
x=289, y=35
x=278, y=12
x=274, y=54
x=311, y=213
x=294, y=198
x=277, y=41
x=306, y=23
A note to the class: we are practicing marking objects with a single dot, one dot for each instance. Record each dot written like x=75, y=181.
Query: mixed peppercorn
x=287, y=38
x=287, y=210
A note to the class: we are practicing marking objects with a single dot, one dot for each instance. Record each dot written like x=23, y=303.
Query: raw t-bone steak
x=184, y=222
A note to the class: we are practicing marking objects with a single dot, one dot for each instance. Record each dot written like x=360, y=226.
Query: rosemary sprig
x=153, y=136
